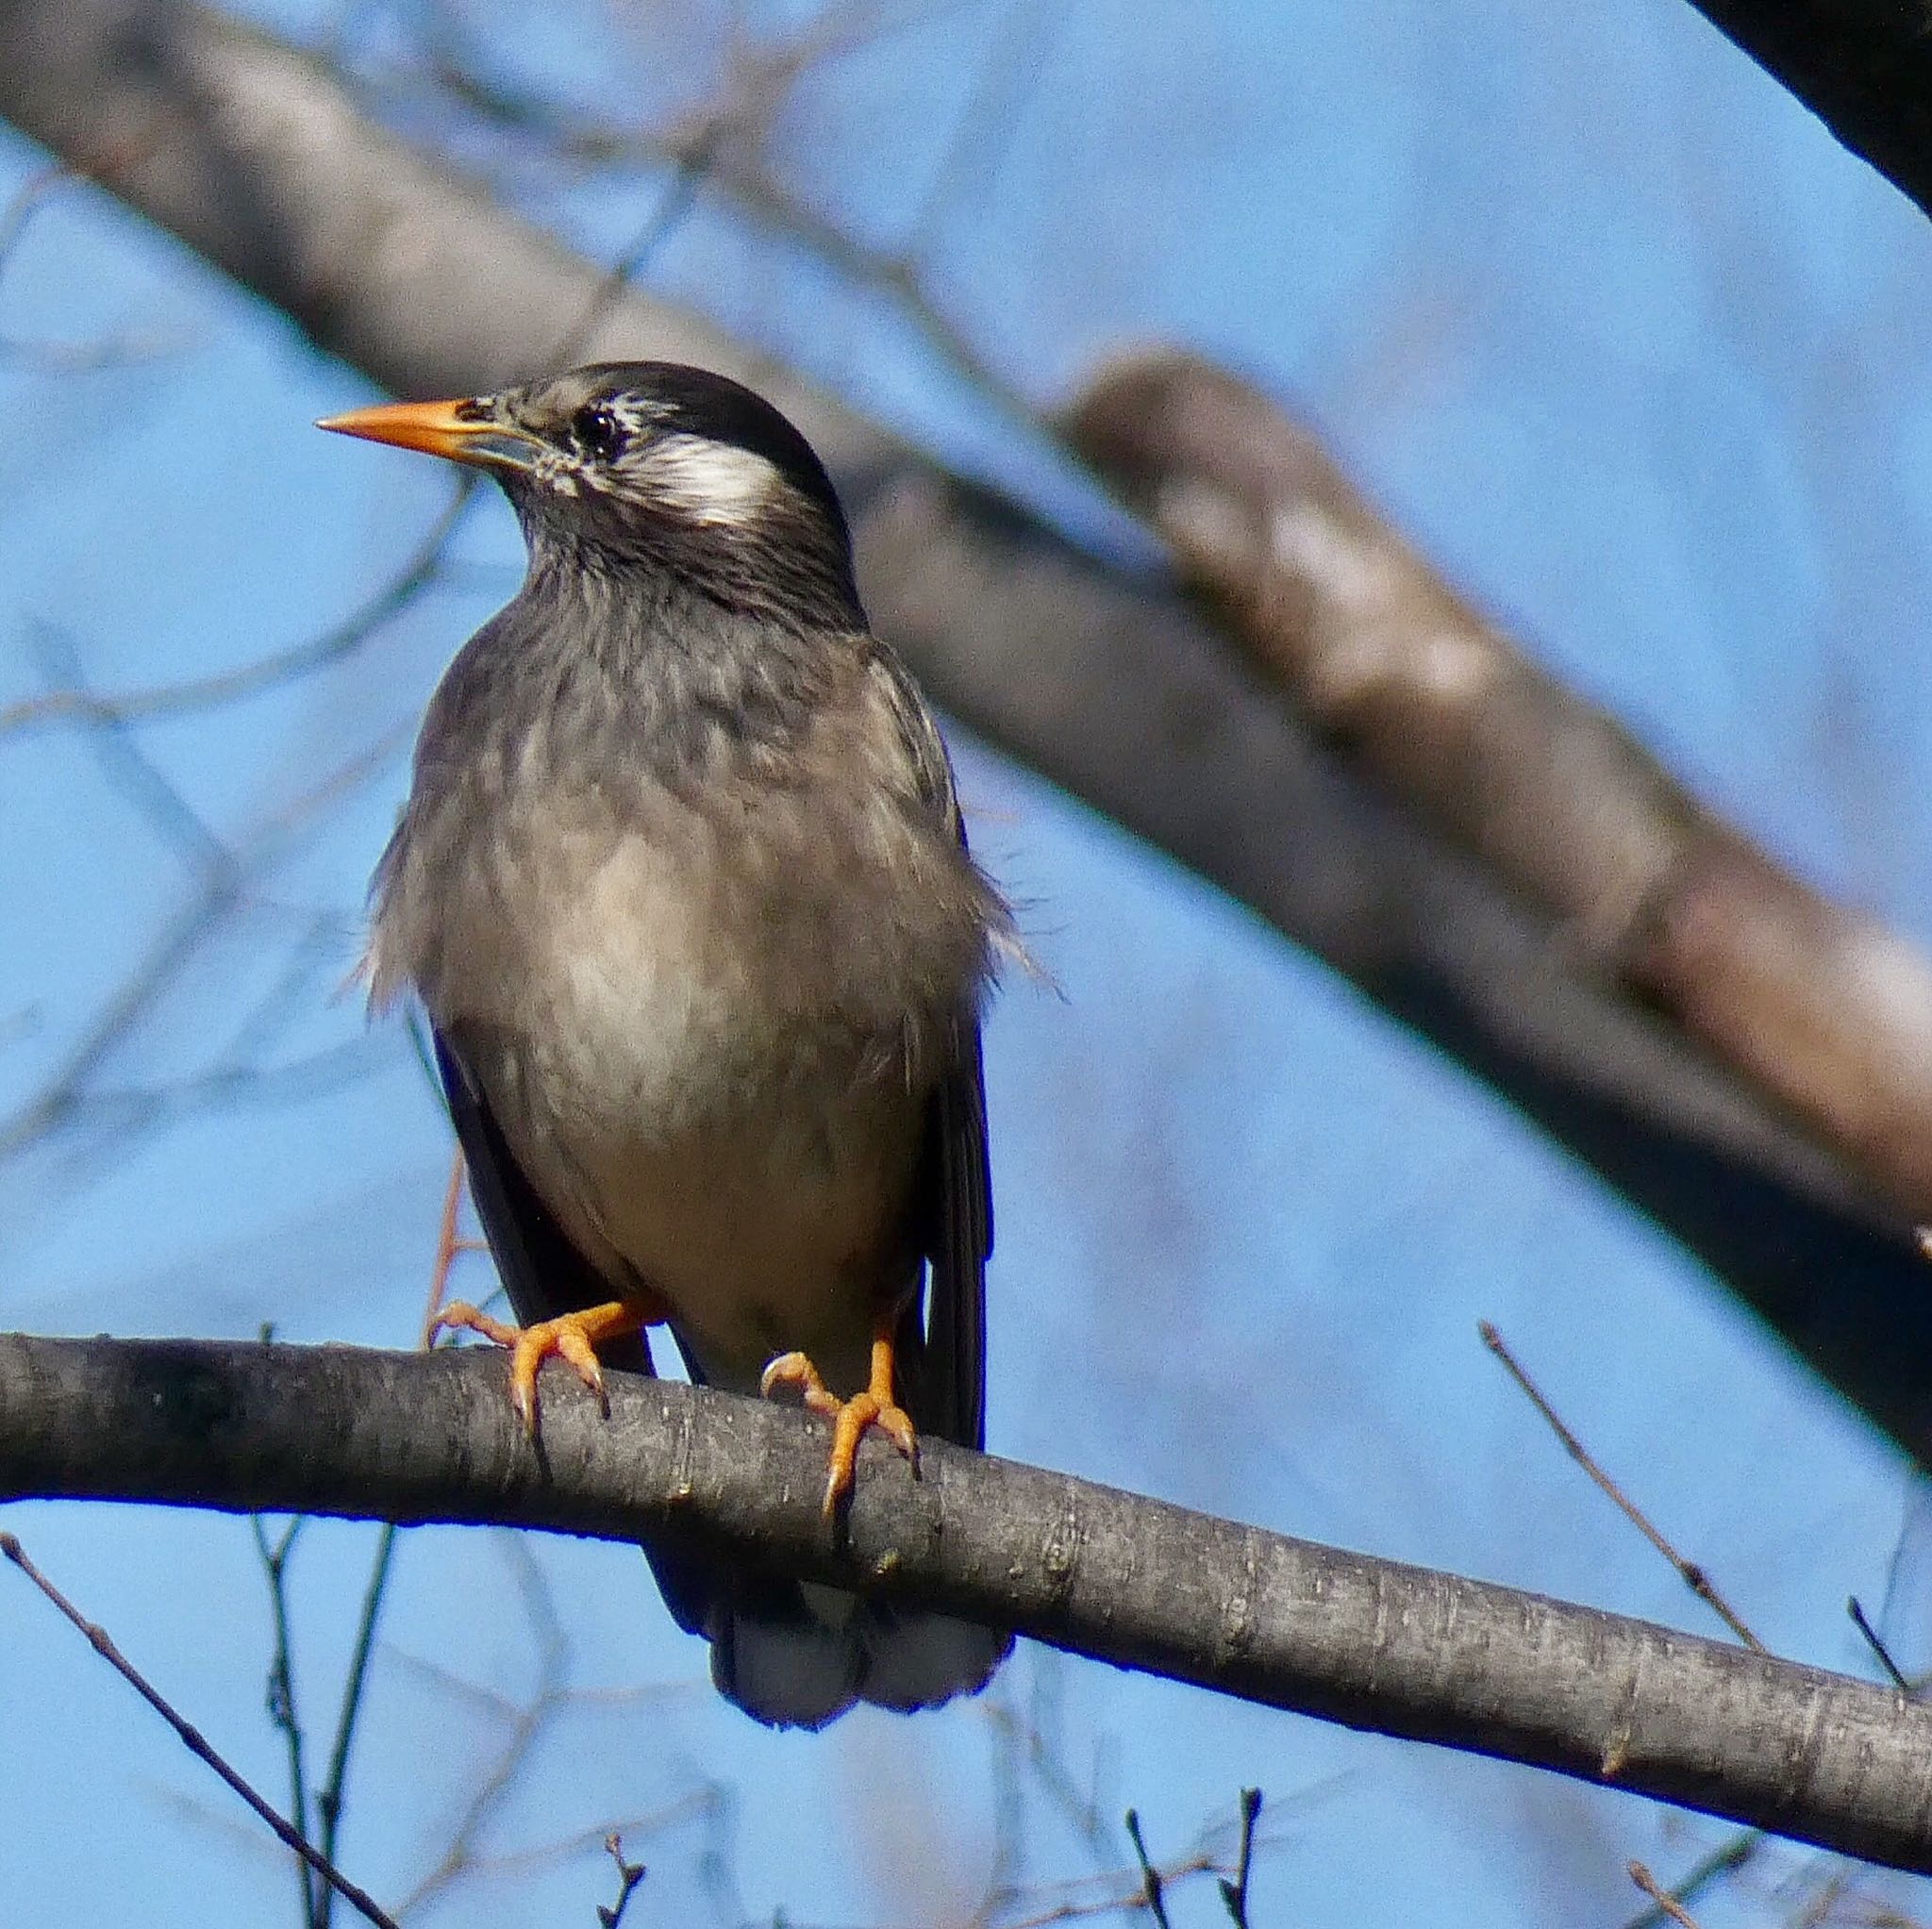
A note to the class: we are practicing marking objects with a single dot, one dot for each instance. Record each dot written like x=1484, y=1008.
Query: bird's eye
x=598, y=432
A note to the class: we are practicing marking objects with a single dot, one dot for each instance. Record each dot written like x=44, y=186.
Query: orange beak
x=465, y=431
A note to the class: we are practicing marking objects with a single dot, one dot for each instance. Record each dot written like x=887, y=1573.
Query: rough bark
x=1108, y=684
x=1863, y=66
x=1374, y=1644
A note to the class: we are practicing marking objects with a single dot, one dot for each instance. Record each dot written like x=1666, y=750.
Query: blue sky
x=1628, y=347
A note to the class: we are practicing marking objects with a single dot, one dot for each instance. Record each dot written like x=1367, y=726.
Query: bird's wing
x=544, y=1274
x=956, y=1220
x=542, y=1271
x=954, y=1203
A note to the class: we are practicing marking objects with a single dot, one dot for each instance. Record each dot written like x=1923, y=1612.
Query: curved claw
x=852, y=1420
x=572, y=1337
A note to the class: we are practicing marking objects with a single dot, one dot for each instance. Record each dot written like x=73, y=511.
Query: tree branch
x=1828, y=1012
x=1863, y=66
x=1374, y=1644
x=1106, y=682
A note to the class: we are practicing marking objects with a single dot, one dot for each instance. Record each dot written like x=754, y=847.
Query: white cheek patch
x=709, y=482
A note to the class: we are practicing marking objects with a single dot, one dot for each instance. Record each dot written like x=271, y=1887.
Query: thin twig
x=700, y=1806
x=62, y=1096
x=1152, y=1886
x=1234, y=1895
x=281, y=1690
x=117, y=1110
x=1662, y=1898
x=192, y=1739
x=126, y=766
x=330, y=1797
x=329, y=1803
x=1116, y=1892
x=527, y=1728
x=715, y=141
x=994, y=102
x=1725, y=1859
x=191, y=695
x=680, y=198
x=1877, y=1646
x=1692, y=1574
x=66, y=358
x=629, y=1875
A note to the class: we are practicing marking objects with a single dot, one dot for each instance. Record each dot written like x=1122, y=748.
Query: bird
x=683, y=889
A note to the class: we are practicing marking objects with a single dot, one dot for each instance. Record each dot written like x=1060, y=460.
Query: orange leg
x=447, y=1246
x=571, y=1338
x=851, y=1419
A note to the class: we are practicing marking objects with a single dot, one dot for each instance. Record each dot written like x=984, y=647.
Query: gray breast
x=707, y=1015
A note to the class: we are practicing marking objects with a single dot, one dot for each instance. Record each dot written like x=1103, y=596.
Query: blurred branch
x=1138, y=1583
x=67, y=1094
x=1722, y=1861
x=1661, y=1898
x=722, y=141
x=62, y=358
x=528, y=1721
x=1105, y=681
x=1864, y=67
x=75, y=703
x=1826, y=1011
x=1153, y=1885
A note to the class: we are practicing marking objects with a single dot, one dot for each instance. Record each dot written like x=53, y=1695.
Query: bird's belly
x=757, y=1249
x=749, y=1164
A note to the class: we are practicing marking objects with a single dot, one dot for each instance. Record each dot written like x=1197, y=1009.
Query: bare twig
x=701, y=1804
x=1153, y=1890
x=1877, y=1646
x=1234, y=1894
x=188, y=696
x=1692, y=1574
x=192, y=1739
x=332, y=1798
x=1725, y=1859
x=1119, y=1891
x=527, y=1726
x=681, y=197
x=629, y=1875
x=718, y=142
x=65, y=358
x=1664, y=1901
x=61, y=1100
x=127, y=766
x=1012, y=69
x=282, y=1707
x=1082, y=1809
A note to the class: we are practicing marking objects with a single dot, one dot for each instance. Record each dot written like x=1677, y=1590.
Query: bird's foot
x=571, y=1338
x=852, y=1420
